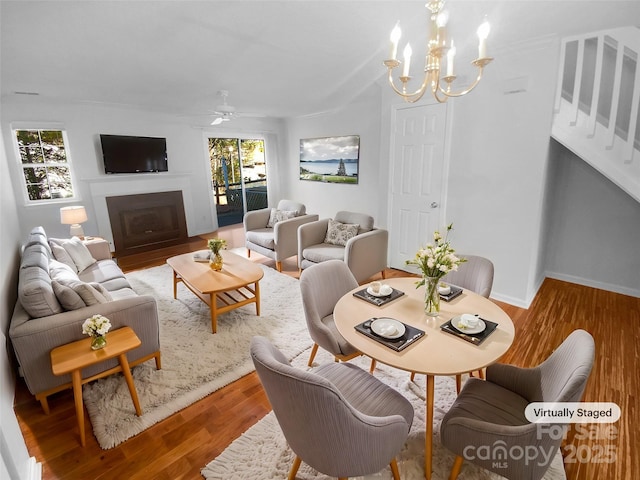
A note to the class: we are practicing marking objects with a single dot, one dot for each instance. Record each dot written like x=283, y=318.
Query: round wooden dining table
x=435, y=353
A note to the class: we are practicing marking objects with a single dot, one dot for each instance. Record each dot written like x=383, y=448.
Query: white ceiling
x=277, y=58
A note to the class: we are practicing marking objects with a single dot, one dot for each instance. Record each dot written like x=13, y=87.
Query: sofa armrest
x=286, y=235
x=99, y=248
x=256, y=219
x=33, y=339
x=366, y=254
x=311, y=233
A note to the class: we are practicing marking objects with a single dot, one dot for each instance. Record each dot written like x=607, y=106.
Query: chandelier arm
x=471, y=87
x=409, y=97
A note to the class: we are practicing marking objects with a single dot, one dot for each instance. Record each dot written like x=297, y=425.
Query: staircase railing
x=597, y=109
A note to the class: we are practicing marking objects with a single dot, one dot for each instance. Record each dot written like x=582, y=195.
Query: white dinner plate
x=385, y=291
x=388, y=328
x=461, y=327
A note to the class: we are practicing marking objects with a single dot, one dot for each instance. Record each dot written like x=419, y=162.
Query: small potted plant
x=215, y=259
x=97, y=327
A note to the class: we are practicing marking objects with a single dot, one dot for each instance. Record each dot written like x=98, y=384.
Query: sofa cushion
x=278, y=216
x=77, y=250
x=36, y=293
x=263, y=237
x=339, y=233
x=323, y=252
x=102, y=272
x=365, y=221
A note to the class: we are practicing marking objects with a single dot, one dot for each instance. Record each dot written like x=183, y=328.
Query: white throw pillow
x=339, y=233
x=77, y=250
x=278, y=216
x=61, y=255
x=59, y=270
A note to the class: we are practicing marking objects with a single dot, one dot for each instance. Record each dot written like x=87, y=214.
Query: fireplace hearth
x=145, y=222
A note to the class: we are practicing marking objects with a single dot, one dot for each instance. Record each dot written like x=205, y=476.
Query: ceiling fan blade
x=217, y=121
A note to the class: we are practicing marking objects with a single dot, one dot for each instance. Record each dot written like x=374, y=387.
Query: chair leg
x=294, y=468
x=481, y=374
x=314, y=350
x=455, y=470
x=248, y=253
x=413, y=375
x=394, y=469
x=279, y=266
x=458, y=383
x=373, y=366
x=384, y=275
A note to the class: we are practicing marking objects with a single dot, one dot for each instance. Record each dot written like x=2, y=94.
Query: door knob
x=434, y=205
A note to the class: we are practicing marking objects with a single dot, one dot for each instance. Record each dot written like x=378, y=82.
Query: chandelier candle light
x=438, y=46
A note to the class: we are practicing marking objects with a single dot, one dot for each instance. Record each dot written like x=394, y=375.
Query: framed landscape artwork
x=330, y=159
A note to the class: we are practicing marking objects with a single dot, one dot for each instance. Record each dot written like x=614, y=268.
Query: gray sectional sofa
x=62, y=282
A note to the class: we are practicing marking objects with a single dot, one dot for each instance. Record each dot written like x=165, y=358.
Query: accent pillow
x=61, y=255
x=88, y=292
x=67, y=296
x=278, y=216
x=78, y=252
x=339, y=233
x=59, y=270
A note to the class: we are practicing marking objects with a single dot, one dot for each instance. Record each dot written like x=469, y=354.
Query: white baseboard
x=594, y=284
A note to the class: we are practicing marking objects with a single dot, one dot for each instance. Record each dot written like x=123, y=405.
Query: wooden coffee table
x=224, y=290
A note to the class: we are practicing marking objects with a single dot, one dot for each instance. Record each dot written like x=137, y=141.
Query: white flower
x=96, y=326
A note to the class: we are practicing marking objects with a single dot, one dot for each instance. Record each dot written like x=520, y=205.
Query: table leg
x=175, y=284
x=257, y=295
x=126, y=371
x=429, y=434
x=214, y=312
x=77, y=397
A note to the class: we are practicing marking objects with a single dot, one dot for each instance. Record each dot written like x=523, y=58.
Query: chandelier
x=438, y=47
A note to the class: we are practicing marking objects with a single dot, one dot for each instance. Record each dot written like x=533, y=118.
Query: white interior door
x=416, y=173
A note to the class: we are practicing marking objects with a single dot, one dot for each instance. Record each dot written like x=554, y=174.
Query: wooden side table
x=73, y=357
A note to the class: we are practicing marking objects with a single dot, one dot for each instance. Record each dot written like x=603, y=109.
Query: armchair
x=350, y=237
x=491, y=412
x=272, y=232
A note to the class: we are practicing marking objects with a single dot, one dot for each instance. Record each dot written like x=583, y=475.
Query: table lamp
x=74, y=216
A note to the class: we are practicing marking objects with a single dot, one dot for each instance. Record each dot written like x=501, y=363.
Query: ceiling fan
x=224, y=112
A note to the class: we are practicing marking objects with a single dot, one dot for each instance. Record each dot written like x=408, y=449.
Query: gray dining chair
x=338, y=419
x=322, y=285
x=491, y=412
x=475, y=274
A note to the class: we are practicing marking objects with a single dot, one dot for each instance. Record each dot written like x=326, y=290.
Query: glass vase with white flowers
x=435, y=260
x=97, y=327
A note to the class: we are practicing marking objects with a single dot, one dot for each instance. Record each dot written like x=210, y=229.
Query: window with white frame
x=46, y=169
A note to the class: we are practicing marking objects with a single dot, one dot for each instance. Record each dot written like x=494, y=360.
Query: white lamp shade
x=74, y=216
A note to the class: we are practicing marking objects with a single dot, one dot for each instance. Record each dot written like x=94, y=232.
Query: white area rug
x=195, y=362
x=262, y=452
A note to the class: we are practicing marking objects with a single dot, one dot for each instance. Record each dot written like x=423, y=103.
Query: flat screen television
x=128, y=154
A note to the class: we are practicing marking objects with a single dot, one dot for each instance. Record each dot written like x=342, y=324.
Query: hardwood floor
x=178, y=447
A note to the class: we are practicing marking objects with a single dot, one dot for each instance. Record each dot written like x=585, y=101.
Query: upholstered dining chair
x=321, y=286
x=338, y=419
x=273, y=232
x=476, y=274
x=350, y=237
x=490, y=413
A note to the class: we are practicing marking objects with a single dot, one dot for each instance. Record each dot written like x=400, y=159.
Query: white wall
x=186, y=151
x=15, y=461
x=594, y=227
x=369, y=195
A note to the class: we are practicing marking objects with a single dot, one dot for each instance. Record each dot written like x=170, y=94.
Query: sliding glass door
x=239, y=177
